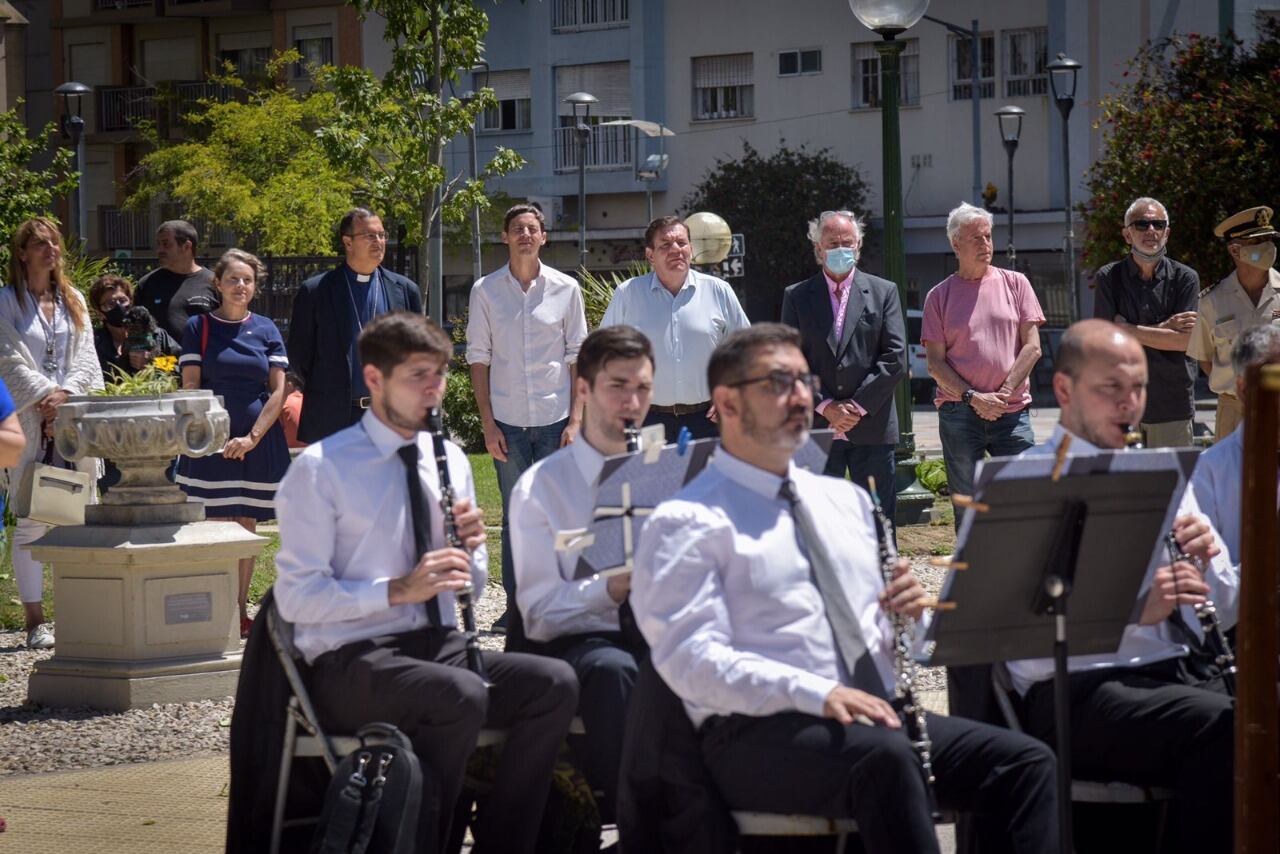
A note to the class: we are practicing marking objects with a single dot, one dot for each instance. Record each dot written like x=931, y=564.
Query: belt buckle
x=362, y=402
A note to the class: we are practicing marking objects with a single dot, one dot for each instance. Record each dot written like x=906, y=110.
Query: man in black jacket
x=329, y=311
x=855, y=340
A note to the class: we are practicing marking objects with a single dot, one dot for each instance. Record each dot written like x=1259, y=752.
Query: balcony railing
x=122, y=107
x=187, y=96
x=607, y=148
x=112, y=5
x=126, y=229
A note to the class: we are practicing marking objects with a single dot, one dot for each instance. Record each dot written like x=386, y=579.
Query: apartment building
x=146, y=60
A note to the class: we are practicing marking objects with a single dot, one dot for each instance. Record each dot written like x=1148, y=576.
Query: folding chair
x=313, y=741
x=1086, y=791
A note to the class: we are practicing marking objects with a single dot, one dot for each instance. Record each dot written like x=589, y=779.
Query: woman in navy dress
x=240, y=356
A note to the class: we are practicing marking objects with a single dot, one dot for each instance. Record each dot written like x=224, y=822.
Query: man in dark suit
x=855, y=340
x=329, y=312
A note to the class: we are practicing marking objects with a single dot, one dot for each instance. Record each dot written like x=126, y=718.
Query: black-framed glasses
x=1146, y=224
x=782, y=382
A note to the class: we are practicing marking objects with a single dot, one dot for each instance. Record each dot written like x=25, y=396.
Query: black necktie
x=844, y=624
x=409, y=455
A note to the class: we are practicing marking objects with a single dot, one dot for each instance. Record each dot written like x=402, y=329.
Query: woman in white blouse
x=46, y=355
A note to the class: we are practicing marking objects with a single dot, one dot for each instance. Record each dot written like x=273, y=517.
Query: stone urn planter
x=144, y=591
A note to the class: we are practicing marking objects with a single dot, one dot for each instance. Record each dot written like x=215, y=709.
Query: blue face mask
x=841, y=260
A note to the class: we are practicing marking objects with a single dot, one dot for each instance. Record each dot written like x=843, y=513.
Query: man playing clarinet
x=760, y=593
x=577, y=621
x=1152, y=713
x=374, y=612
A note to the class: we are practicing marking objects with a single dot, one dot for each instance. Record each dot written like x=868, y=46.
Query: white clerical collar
x=362, y=278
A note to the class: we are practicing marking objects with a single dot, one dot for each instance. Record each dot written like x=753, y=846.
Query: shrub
x=932, y=475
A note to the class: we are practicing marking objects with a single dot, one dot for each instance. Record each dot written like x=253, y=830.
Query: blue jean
x=966, y=438
x=525, y=446
x=862, y=461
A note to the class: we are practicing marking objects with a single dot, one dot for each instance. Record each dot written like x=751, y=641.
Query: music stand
x=1031, y=544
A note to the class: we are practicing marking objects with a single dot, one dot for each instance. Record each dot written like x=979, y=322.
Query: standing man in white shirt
x=1146, y=714
x=685, y=314
x=376, y=618
x=525, y=324
x=577, y=621
x=760, y=592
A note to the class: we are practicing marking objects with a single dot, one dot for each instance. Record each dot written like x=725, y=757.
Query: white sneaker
x=41, y=637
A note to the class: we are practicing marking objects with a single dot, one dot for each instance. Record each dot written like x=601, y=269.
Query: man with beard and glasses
x=1149, y=713
x=759, y=590
x=377, y=621
x=1154, y=298
x=1247, y=298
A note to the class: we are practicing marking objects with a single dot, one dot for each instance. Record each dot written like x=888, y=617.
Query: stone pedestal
x=145, y=593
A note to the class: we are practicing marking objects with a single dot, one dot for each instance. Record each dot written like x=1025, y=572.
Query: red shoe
x=245, y=625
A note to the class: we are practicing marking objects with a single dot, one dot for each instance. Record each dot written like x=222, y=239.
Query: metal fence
x=285, y=273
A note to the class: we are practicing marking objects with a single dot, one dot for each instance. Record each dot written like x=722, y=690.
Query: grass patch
x=488, y=495
x=936, y=538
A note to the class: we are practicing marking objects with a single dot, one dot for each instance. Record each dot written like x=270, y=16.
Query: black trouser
x=1152, y=726
x=700, y=426
x=797, y=763
x=419, y=682
x=606, y=676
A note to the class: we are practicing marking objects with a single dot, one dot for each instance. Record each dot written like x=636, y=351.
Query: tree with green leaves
x=1195, y=126
x=25, y=191
x=769, y=200
x=394, y=128
x=253, y=163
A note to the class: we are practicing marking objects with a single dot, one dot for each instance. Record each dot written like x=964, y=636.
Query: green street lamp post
x=1062, y=76
x=1010, y=119
x=888, y=18
x=581, y=103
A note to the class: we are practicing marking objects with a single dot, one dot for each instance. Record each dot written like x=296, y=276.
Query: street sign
x=734, y=264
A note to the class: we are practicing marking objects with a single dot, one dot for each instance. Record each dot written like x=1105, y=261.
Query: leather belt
x=679, y=409
x=360, y=402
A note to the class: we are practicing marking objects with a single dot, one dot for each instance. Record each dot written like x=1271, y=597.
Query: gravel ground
x=36, y=738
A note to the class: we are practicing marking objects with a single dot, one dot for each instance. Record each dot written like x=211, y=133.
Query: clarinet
x=905, y=668
x=632, y=639
x=475, y=663
x=1215, y=639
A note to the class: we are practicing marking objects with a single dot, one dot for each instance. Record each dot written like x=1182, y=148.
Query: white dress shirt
x=1218, y=479
x=528, y=339
x=345, y=532
x=683, y=329
x=1139, y=645
x=724, y=594
x=557, y=494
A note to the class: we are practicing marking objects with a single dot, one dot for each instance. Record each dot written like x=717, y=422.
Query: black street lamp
x=581, y=103
x=73, y=128
x=888, y=18
x=1010, y=119
x=1062, y=77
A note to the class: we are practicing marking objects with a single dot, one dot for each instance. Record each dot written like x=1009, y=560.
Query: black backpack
x=372, y=802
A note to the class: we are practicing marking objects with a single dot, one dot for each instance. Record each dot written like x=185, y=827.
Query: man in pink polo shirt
x=981, y=338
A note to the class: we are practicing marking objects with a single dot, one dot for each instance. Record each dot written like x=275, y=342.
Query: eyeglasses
x=1146, y=224
x=372, y=236
x=782, y=382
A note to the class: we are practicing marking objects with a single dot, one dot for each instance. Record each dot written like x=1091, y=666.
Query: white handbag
x=52, y=494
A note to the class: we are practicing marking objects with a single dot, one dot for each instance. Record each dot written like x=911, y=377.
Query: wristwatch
x=967, y=397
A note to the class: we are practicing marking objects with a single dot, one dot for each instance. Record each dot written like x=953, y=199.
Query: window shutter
x=735, y=69
x=610, y=82
x=508, y=85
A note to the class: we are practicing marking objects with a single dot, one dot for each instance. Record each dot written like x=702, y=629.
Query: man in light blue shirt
x=685, y=314
x=1219, y=471
x=375, y=616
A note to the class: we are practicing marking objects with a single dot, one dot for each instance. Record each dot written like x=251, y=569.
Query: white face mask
x=1260, y=256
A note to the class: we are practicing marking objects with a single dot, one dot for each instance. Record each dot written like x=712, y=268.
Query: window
x=866, y=75
x=794, y=62
x=513, y=111
x=607, y=147
x=572, y=15
x=722, y=87
x=315, y=43
x=248, y=53
x=961, y=73
x=1026, y=53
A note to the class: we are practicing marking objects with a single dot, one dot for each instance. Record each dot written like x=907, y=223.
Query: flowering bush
x=159, y=377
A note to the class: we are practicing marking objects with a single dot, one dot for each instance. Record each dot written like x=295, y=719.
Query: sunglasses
x=1147, y=224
